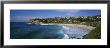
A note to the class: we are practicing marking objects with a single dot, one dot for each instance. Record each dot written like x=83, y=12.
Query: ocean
x=22, y=30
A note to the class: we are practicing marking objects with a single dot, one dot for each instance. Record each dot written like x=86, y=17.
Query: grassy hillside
x=94, y=34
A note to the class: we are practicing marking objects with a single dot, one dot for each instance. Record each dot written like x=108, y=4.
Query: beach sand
x=79, y=25
x=73, y=25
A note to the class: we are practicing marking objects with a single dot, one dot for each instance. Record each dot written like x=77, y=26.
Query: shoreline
x=66, y=36
x=74, y=25
x=79, y=26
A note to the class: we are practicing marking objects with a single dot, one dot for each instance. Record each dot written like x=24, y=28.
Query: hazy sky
x=24, y=15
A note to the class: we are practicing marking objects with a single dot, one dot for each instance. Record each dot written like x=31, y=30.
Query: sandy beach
x=74, y=25
x=79, y=25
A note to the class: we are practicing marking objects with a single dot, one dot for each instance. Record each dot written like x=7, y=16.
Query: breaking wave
x=74, y=32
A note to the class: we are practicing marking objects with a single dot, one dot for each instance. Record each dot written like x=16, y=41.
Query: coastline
x=89, y=28
x=74, y=25
x=68, y=36
x=79, y=25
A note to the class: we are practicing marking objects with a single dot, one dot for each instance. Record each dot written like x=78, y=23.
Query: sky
x=24, y=15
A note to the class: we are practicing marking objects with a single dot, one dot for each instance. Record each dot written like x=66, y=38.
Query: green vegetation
x=94, y=34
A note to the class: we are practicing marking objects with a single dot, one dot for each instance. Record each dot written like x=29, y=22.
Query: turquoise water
x=21, y=30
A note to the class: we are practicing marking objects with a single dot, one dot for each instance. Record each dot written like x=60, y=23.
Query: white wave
x=44, y=24
x=74, y=33
x=65, y=27
x=66, y=36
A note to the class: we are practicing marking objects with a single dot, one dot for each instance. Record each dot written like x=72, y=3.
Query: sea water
x=22, y=30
